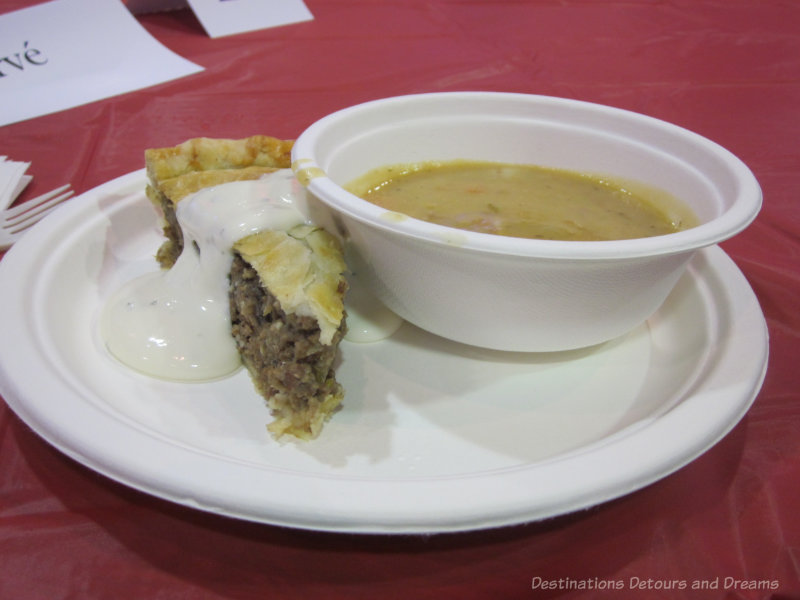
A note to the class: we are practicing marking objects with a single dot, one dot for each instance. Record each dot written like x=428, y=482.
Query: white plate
x=434, y=436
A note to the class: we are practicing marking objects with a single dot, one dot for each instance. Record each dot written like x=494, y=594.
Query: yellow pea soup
x=526, y=201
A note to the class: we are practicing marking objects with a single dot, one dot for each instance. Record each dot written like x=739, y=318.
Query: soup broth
x=522, y=201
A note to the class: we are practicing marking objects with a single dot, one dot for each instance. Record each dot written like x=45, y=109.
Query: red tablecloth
x=727, y=69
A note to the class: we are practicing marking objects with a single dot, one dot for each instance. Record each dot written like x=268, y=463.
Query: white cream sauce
x=175, y=324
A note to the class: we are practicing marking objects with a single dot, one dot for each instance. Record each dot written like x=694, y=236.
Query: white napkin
x=12, y=180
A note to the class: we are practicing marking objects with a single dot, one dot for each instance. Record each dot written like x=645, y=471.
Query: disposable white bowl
x=510, y=293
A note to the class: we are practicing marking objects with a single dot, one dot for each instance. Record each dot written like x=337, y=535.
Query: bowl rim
x=742, y=211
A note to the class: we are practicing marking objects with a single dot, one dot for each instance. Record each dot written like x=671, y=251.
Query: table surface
x=727, y=69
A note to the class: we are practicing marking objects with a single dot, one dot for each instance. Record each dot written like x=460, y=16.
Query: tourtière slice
x=286, y=287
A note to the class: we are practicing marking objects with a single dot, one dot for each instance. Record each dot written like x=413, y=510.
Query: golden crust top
x=207, y=154
x=303, y=268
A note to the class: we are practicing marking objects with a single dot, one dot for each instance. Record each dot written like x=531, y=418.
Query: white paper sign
x=66, y=53
x=227, y=17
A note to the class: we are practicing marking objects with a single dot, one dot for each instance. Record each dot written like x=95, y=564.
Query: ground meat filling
x=288, y=364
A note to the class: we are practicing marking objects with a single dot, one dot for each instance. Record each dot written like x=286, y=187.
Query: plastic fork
x=15, y=221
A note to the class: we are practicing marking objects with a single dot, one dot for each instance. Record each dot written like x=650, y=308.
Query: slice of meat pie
x=286, y=287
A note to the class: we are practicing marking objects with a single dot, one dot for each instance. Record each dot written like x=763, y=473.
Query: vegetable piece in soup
x=524, y=201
